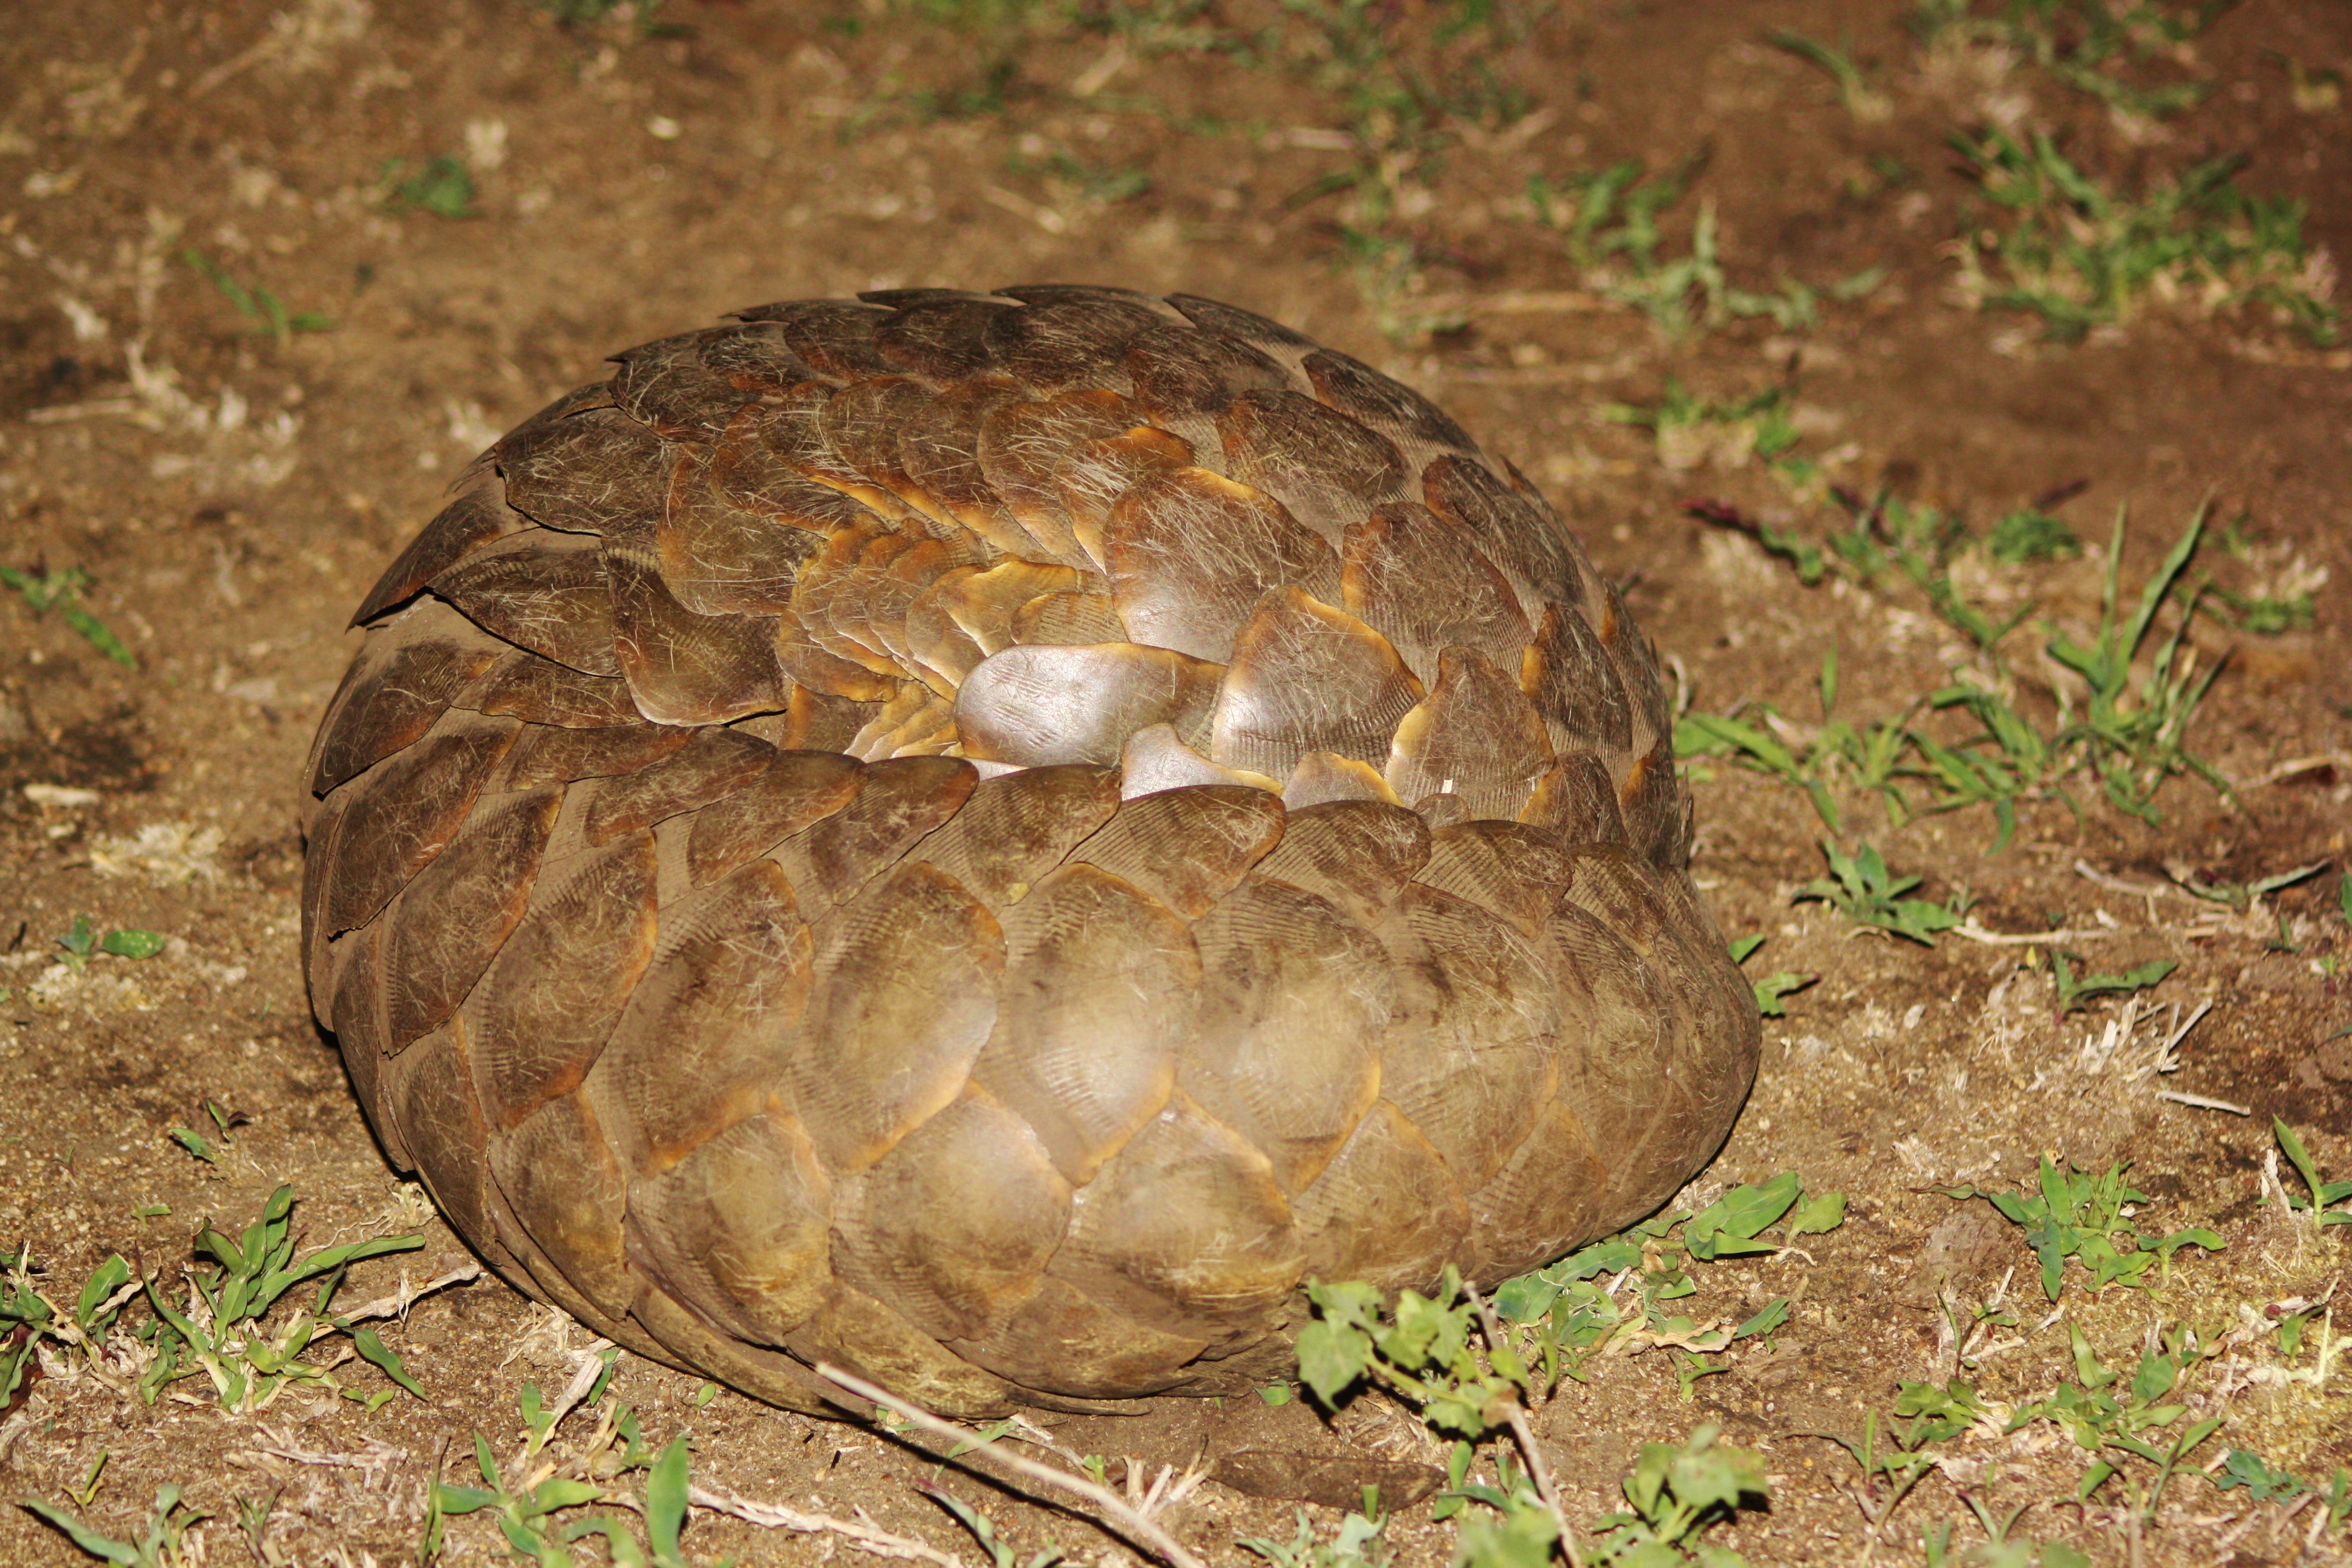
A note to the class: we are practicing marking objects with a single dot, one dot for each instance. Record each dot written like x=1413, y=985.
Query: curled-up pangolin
x=984, y=838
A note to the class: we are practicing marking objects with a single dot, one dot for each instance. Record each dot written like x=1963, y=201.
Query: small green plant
x=2079, y=254
x=525, y=1510
x=2074, y=992
x=1773, y=989
x=444, y=187
x=2116, y=1421
x=2262, y=1483
x=1357, y=1544
x=81, y=943
x=2258, y=614
x=221, y=1334
x=2082, y=44
x=1568, y=1317
x=2028, y=535
x=1691, y=429
x=2322, y=1197
x=983, y=1531
x=2128, y=725
x=203, y=1148
x=1610, y=220
x=1675, y=1492
x=262, y=310
x=594, y=13
x=157, y=1547
x=2072, y=1213
x=1892, y=1466
x=1098, y=185
x=2134, y=736
x=1865, y=892
x=1861, y=100
x=45, y=588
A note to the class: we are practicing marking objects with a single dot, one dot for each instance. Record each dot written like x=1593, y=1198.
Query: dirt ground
x=232, y=470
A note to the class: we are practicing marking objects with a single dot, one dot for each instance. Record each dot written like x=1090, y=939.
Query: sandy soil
x=231, y=492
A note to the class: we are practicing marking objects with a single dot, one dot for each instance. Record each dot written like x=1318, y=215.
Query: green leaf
x=99, y=1546
x=1817, y=1214
x=1777, y=985
x=376, y=1354
x=1728, y=1227
x=1523, y=1538
x=1775, y=1314
x=557, y=1493
x=1332, y=1356
x=130, y=943
x=2241, y=1468
x=2292, y=1146
x=94, y=632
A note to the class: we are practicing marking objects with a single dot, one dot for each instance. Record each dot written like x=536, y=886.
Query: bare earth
x=232, y=491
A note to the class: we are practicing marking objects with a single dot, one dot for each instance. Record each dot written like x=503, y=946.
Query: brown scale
x=1023, y=447
x=721, y=558
x=396, y=690
x=464, y=525
x=1042, y=704
x=540, y=590
x=1326, y=468
x=833, y=337
x=1058, y=344
x=586, y=473
x=672, y=386
x=1189, y=553
x=987, y=838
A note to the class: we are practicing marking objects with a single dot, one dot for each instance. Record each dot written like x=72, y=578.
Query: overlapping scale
x=985, y=837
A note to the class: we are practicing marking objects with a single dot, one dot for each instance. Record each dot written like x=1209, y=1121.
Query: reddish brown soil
x=649, y=185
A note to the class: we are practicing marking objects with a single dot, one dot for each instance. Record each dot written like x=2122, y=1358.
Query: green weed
x=2261, y=616
x=1159, y=27
x=2071, y=1212
x=1101, y=184
x=2028, y=535
x=525, y=1511
x=2127, y=726
x=1356, y=1545
x=1861, y=100
x=444, y=187
x=2116, y=1420
x=157, y=1547
x=1470, y=1369
x=260, y=308
x=1864, y=891
x=220, y=1333
x=2084, y=43
x=1774, y=988
x=983, y=1531
x=1675, y=1493
x=203, y=1148
x=2322, y=1195
x=81, y=943
x=2262, y=1483
x=594, y=13
x=60, y=589
x=2074, y=991
x=1690, y=430
x=2079, y=253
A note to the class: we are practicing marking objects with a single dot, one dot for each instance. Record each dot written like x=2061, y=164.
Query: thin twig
x=1538, y=1468
x=1136, y=1526
x=2203, y=1102
x=861, y=1532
